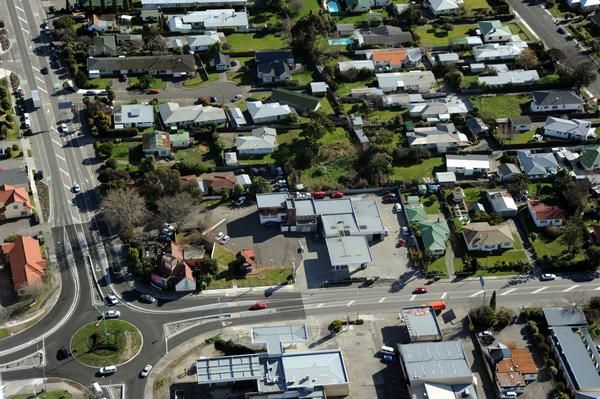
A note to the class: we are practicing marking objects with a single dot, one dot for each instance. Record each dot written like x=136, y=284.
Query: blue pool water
x=340, y=42
x=333, y=6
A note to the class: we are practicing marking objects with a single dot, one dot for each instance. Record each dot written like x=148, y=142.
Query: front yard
x=128, y=155
x=437, y=37
x=425, y=168
x=500, y=106
x=157, y=83
x=244, y=42
x=470, y=5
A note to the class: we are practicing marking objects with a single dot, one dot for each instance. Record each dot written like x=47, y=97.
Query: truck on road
x=438, y=306
x=35, y=99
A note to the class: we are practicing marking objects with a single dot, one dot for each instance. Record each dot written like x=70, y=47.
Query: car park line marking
x=41, y=88
x=57, y=142
x=508, y=292
x=351, y=302
x=19, y=8
x=539, y=290
x=381, y=300
x=444, y=295
x=412, y=298
x=570, y=288
x=475, y=294
x=23, y=29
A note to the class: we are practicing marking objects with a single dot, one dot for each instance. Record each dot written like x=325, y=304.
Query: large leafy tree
x=124, y=209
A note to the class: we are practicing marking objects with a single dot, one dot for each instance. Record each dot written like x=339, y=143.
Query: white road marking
x=67, y=187
x=57, y=142
x=23, y=29
x=23, y=19
x=570, y=288
x=40, y=79
x=64, y=171
x=351, y=302
x=539, y=290
x=507, y=292
x=19, y=8
x=597, y=289
x=412, y=298
x=41, y=88
x=320, y=305
x=60, y=157
x=475, y=294
x=444, y=295
x=381, y=300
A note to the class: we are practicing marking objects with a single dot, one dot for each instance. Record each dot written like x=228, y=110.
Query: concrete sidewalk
x=37, y=385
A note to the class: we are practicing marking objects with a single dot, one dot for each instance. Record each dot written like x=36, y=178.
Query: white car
x=398, y=207
x=485, y=335
x=220, y=235
x=107, y=370
x=224, y=239
x=548, y=277
x=112, y=314
x=145, y=371
x=240, y=201
x=27, y=121
x=236, y=97
x=76, y=188
x=64, y=128
x=112, y=299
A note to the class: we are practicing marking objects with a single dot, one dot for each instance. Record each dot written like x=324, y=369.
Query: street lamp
x=100, y=321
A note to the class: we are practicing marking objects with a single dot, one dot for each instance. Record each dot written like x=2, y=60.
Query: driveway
x=223, y=91
x=543, y=25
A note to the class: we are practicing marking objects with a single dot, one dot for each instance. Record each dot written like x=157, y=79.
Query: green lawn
x=245, y=74
x=241, y=42
x=476, y=5
x=282, y=138
x=499, y=106
x=438, y=266
x=520, y=138
x=338, y=136
x=158, y=83
x=128, y=154
x=265, y=17
x=513, y=255
x=559, y=9
x=326, y=107
x=418, y=171
x=99, y=83
x=303, y=78
x=431, y=204
x=345, y=87
x=308, y=6
x=516, y=30
x=44, y=395
x=431, y=36
x=358, y=18
x=200, y=79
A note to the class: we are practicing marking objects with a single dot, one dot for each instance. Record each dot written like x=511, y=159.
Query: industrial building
x=421, y=323
x=280, y=374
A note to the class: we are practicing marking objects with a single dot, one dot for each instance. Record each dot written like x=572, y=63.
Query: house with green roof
x=434, y=233
x=299, y=101
x=494, y=31
x=415, y=212
x=590, y=158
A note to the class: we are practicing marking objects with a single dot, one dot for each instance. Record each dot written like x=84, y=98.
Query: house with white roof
x=494, y=31
x=174, y=115
x=515, y=77
x=584, y=5
x=468, y=165
x=134, y=115
x=444, y=7
x=439, y=138
x=203, y=42
x=345, y=66
x=158, y=4
x=319, y=89
x=416, y=81
x=496, y=52
x=269, y=112
x=225, y=19
x=502, y=203
x=263, y=141
x=569, y=129
x=537, y=165
x=439, y=109
x=236, y=116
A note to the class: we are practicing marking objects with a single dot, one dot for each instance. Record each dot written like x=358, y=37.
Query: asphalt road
x=543, y=25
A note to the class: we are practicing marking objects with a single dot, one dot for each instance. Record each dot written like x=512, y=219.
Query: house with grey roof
x=221, y=62
x=494, y=31
x=537, y=165
x=521, y=123
x=165, y=65
x=134, y=115
x=556, y=100
x=213, y=19
x=383, y=35
x=412, y=81
x=498, y=52
x=103, y=45
x=513, y=77
x=439, y=109
x=203, y=42
x=508, y=172
x=190, y=116
x=345, y=66
x=274, y=66
x=236, y=116
x=502, y=203
x=344, y=29
x=158, y=4
x=439, y=138
x=444, y=7
x=268, y=112
x=319, y=89
x=569, y=129
x=262, y=141
x=476, y=126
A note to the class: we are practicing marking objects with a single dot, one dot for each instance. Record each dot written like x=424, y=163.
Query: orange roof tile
x=505, y=366
x=177, y=251
x=393, y=57
x=11, y=194
x=511, y=379
x=26, y=261
x=523, y=361
x=544, y=212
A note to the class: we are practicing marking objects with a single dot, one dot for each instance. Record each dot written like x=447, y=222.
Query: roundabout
x=106, y=343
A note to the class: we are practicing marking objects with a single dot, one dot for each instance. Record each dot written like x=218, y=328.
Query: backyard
x=438, y=37
x=344, y=88
x=244, y=42
x=501, y=106
x=425, y=168
x=128, y=155
x=476, y=5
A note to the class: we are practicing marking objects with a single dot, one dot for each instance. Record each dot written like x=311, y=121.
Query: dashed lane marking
x=570, y=288
x=412, y=298
x=381, y=300
x=597, y=289
x=508, y=292
x=444, y=295
x=539, y=290
x=475, y=294
x=320, y=305
x=351, y=302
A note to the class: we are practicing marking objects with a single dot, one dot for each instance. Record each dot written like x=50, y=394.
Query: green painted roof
x=415, y=212
x=413, y=199
x=489, y=27
x=590, y=156
x=295, y=99
x=434, y=234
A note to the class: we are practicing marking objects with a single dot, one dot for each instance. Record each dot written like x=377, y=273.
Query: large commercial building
x=280, y=374
x=347, y=225
x=421, y=323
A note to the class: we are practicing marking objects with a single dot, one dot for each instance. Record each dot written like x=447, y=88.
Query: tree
x=592, y=255
x=454, y=79
x=584, y=74
x=259, y=185
x=528, y=59
x=493, y=300
x=576, y=195
x=175, y=209
x=379, y=168
x=158, y=183
x=124, y=209
x=519, y=185
x=103, y=4
x=103, y=122
x=572, y=234
x=157, y=45
x=81, y=79
x=63, y=22
x=67, y=5
x=211, y=266
x=483, y=317
x=133, y=261
x=145, y=81
x=305, y=35
x=104, y=149
x=110, y=92
x=317, y=128
x=412, y=15
x=555, y=54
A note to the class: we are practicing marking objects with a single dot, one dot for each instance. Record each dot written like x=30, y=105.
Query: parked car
x=145, y=371
x=44, y=71
x=76, y=188
x=337, y=194
x=64, y=128
x=63, y=353
x=561, y=30
x=236, y=97
x=153, y=91
x=548, y=277
x=112, y=314
x=147, y=298
x=240, y=201
x=405, y=231
x=398, y=207
x=485, y=335
x=107, y=370
x=224, y=239
x=421, y=290
x=111, y=299
x=219, y=235
x=258, y=306
x=322, y=194
x=213, y=99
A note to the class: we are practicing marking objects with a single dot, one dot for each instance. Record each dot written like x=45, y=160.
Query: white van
x=387, y=350
x=107, y=370
x=96, y=388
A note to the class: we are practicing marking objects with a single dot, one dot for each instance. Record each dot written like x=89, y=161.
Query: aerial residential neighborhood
x=299, y=199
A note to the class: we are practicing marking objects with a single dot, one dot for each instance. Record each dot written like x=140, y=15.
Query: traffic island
x=109, y=342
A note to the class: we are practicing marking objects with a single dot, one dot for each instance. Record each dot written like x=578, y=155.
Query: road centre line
x=508, y=292
x=570, y=288
x=475, y=294
x=539, y=290
x=320, y=305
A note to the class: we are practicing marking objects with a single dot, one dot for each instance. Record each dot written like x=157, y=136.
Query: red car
x=401, y=242
x=337, y=194
x=319, y=194
x=258, y=306
x=420, y=290
x=153, y=91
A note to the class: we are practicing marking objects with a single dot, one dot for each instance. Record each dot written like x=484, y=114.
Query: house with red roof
x=173, y=265
x=217, y=182
x=14, y=202
x=27, y=265
x=545, y=215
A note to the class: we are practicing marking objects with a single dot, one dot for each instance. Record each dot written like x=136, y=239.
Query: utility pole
x=44, y=362
x=102, y=319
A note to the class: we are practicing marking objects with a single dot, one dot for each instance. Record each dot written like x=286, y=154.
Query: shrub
x=550, y=363
x=544, y=348
x=539, y=338
x=551, y=232
x=535, y=314
x=504, y=317
x=15, y=147
x=12, y=238
x=336, y=326
x=595, y=302
x=533, y=327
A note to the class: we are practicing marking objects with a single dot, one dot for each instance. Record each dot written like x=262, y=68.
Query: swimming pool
x=333, y=6
x=340, y=42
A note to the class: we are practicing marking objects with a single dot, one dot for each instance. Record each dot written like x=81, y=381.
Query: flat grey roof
x=274, y=336
x=228, y=369
x=333, y=206
x=314, y=368
x=564, y=316
x=340, y=224
x=271, y=200
x=430, y=361
x=14, y=177
x=421, y=321
x=367, y=216
x=574, y=355
x=304, y=206
x=348, y=250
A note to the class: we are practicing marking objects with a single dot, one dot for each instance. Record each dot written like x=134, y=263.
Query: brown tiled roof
x=27, y=264
x=523, y=361
x=510, y=379
x=177, y=251
x=394, y=57
x=220, y=180
x=544, y=212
